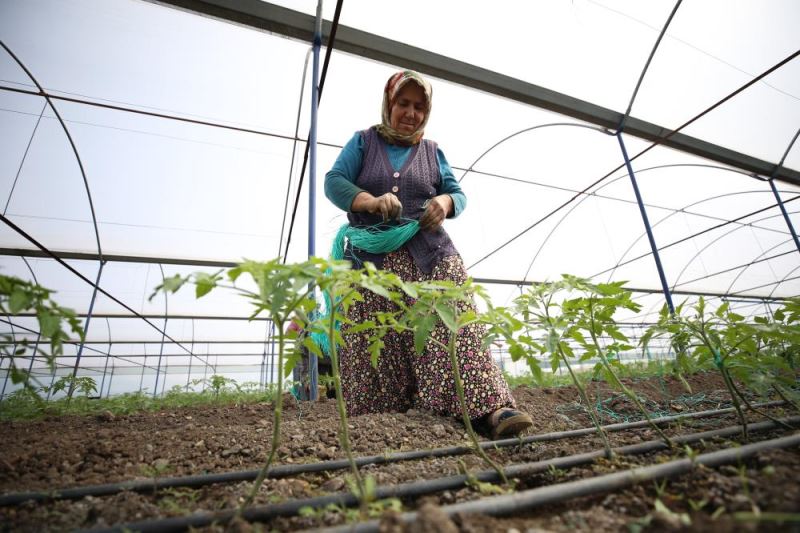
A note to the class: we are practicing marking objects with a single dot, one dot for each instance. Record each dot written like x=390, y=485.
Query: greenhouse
x=645, y=154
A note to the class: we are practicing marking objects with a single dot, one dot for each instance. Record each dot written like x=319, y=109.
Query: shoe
x=507, y=422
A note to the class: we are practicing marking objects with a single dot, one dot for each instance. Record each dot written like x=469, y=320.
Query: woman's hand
x=387, y=205
x=438, y=209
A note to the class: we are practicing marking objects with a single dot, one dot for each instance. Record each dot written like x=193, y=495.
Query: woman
x=382, y=173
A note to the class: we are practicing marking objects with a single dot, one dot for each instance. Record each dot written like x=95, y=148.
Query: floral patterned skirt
x=405, y=379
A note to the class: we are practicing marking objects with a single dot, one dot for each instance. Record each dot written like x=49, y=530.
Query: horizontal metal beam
x=81, y=256
x=730, y=297
x=279, y=20
x=273, y=340
x=157, y=317
x=26, y=252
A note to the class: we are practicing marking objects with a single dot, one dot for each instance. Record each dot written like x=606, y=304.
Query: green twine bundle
x=378, y=239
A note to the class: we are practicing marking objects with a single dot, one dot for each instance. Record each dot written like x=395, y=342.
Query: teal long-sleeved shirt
x=340, y=187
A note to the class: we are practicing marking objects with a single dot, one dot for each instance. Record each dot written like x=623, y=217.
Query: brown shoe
x=508, y=422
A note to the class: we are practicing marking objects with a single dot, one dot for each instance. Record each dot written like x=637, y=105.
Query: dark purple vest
x=417, y=182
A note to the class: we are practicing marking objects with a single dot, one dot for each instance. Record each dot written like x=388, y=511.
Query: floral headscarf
x=393, y=86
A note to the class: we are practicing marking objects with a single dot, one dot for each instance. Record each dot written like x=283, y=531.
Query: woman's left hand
x=438, y=209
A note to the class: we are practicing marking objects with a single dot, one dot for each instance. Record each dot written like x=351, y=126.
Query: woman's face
x=408, y=110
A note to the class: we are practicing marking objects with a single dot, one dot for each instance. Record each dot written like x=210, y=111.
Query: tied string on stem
x=376, y=239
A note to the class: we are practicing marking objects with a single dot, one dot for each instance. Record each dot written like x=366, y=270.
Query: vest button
x=396, y=175
x=395, y=188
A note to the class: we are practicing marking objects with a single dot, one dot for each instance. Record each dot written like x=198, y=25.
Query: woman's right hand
x=387, y=205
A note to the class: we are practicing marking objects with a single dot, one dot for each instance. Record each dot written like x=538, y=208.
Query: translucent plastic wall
x=206, y=172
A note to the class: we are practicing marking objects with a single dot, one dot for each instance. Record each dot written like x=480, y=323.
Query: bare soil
x=60, y=452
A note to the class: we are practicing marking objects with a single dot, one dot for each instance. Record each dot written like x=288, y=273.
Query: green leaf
x=203, y=287
x=364, y=326
x=517, y=352
x=309, y=343
x=467, y=318
x=234, y=273
x=608, y=289
x=422, y=330
x=18, y=375
x=567, y=349
x=375, y=351
x=578, y=336
x=376, y=288
x=410, y=289
x=616, y=334
x=290, y=361
x=536, y=369
x=19, y=301
x=49, y=324
x=173, y=283
x=446, y=313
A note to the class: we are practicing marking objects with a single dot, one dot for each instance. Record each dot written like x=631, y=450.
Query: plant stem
x=451, y=348
x=589, y=406
x=734, y=398
x=755, y=410
x=344, y=435
x=719, y=360
x=785, y=398
x=616, y=379
x=276, y=424
x=627, y=391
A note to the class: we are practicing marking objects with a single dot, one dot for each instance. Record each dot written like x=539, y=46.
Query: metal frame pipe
x=85, y=329
x=62, y=254
x=339, y=464
x=312, y=175
x=771, y=181
x=785, y=214
x=646, y=221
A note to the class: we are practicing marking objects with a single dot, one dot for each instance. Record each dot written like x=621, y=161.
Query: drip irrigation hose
x=420, y=488
x=281, y=471
x=526, y=500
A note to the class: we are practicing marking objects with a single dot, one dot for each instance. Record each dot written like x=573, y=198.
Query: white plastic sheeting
x=185, y=190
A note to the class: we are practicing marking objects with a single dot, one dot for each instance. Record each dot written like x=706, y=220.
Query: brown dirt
x=73, y=451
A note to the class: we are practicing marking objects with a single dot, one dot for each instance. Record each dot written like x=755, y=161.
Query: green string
x=377, y=239
x=717, y=358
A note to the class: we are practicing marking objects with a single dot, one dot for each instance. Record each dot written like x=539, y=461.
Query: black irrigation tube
x=324, y=466
x=560, y=492
x=419, y=488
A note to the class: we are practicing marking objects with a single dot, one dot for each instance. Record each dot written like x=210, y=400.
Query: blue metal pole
x=312, y=174
x=653, y=247
x=785, y=213
x=85, y=330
